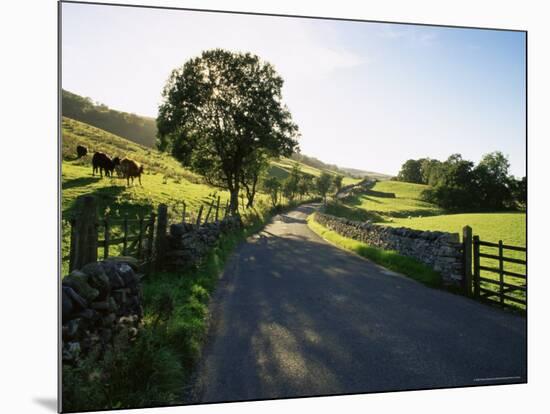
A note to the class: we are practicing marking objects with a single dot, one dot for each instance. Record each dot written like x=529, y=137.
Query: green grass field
x=406, y=203
x=408, y=210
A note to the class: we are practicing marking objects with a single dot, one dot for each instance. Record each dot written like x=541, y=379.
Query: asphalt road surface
x=295, y=316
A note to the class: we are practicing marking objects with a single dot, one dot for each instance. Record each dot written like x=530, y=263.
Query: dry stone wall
x=98, y=301
x=188, y=244
x=439, y=250
x=104, y=298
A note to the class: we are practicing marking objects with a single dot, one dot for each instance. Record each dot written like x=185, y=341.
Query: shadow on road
x=299, y=317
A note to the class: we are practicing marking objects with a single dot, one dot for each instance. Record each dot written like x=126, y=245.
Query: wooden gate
x=496, y=276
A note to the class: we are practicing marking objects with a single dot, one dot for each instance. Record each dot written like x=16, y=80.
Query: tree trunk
x=250, y=194
x=234, y=199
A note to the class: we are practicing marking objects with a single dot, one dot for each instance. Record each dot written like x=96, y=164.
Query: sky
x=364, y=95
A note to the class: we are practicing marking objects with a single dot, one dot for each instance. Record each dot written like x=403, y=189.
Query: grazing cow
x=131, y=169
x=102, y=163
x=81, y=151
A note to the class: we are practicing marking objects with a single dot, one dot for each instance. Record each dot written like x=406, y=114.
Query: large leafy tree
x=221, y=111
x=411, y=172
x=454, y=188
x=493, y=181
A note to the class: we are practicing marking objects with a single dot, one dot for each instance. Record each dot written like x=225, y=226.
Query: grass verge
x=387, y=258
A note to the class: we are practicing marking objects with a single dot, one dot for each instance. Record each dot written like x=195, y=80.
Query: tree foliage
x=458, y=184
x=272, y=186
x=222, y=113
x=323, y=184
x=291, y=183
x=337, y=180
x=410, y=172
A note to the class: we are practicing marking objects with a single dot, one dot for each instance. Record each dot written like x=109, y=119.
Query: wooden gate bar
x=476, y=266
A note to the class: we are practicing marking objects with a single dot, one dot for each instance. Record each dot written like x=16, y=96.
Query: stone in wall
x=98, y=301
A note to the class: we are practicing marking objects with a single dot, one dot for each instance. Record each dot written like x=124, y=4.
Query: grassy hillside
x=382, y=206
x=362, y=174
x=320, y=165
x=281, y=169
x=164, y=180
x=136, y=128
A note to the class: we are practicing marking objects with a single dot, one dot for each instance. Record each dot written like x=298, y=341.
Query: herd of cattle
x=103, y=164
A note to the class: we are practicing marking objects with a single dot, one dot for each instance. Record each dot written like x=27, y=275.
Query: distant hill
x=360, y=173
x=139, y=129
x=320, y=165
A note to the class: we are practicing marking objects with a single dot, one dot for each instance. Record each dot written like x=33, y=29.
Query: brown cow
x=131, y=169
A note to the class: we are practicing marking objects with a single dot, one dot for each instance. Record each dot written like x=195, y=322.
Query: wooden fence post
x=140, y=238
x=467, y=249
x=199, y=216
x=183, y=213
x=72, y=222
x=84, y=248
x=226, y=209
x=106, y=238
x=209, y=211
x=217, y=208
x=125, y=236
x=150, y=241
x=476, y=266
x=501, y=271
x=162, y=225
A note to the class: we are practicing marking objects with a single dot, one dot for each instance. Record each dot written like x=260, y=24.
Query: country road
x=295, y=316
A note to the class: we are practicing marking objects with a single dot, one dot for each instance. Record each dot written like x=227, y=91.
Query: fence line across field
x=141, y=242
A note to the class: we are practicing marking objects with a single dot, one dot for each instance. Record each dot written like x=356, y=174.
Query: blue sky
x=364, y=95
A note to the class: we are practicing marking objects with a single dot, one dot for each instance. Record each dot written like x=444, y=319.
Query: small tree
x=305, y=185
x=253, y=168
x=272, y=186
x=323, y=184
x=411, y=172
x=290, y=185
x=338, y=182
